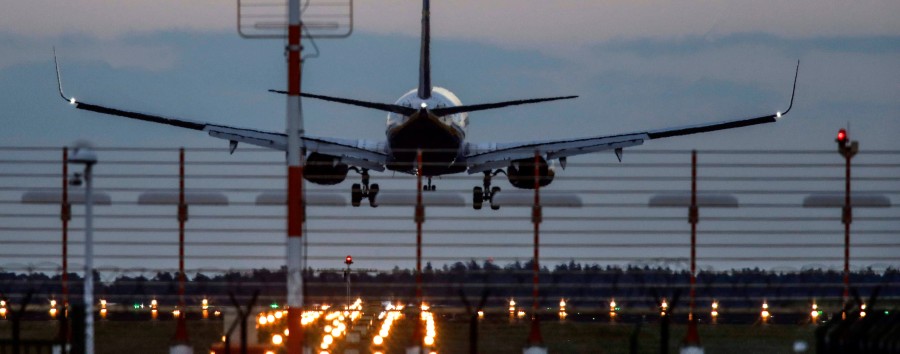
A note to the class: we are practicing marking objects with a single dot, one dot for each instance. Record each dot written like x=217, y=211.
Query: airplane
x=431, y=121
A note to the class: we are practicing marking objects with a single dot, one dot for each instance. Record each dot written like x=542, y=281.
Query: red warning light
x=842, y=136
x=348, y=260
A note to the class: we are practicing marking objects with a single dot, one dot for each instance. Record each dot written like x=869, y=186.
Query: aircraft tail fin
x=425, y=54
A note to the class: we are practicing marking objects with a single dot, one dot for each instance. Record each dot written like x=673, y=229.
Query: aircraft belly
x=439, y=143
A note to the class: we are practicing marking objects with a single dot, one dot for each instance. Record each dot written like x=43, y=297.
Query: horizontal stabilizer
x=406, y=111
x=445, y=111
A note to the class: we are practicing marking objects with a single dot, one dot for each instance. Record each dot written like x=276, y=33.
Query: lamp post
x=182, y=200
x=348, y=261
x=82, y=154
x=693, y=202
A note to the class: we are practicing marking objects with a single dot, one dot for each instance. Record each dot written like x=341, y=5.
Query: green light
x=137, y=306
x=274, y=305
x=886, y=312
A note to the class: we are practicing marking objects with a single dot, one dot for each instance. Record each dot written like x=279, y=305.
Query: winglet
x=793, y=91
x=59, y=80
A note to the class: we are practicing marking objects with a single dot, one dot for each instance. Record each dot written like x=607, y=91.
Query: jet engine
x=324, y=169
x=521, y=173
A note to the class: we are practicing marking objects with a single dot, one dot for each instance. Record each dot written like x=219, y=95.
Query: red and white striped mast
x=295, y=205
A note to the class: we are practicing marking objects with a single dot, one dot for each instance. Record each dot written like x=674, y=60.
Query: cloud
x=516, y=23
x=114, y=52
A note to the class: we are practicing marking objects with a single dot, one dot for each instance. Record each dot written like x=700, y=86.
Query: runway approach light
x=714, y=312
x=814, y=314
x=764, y=314
x=842, y=137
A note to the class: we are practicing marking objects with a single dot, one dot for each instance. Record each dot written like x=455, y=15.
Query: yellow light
x=328, y=339
x=53, y=312
x=205, y=304
x=715, y=304
x=521, y=314
x=278, y=315
x=153, y=303
x=287, y=332
x=814, y=314
x=223, y=338
x=562, y=303
x=765, y=314
x=217, y=313
x=269, y=352
x=53, y=303
x=480, y=314
x=328, y=328
x=378, y=340
x=815, y=307
x=176, y=312
x=714, y=313
x=262, y=320
x=103, y=313
x=102, y=303
x=383, y=332
x=270, y=318
x=429, y=341
x=336, y=332
x=612, y=305
x=323, y=345
x=277, y=339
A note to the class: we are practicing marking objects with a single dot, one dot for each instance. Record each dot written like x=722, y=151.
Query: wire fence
x=603, y=242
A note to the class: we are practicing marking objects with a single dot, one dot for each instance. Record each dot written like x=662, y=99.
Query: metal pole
x=181, y=334
x=295, y=207
x=88, y=260
x=65, y=215
x=692, y=337
x=847, y=219
x=534, y=336
x=418, y=333
x=694, y=218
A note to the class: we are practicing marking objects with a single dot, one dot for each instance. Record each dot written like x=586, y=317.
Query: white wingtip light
x=72, y=100
x=778, y=115
x=424, y=105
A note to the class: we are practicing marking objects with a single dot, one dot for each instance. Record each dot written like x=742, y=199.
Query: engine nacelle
x=521, y=173
x=324, y=169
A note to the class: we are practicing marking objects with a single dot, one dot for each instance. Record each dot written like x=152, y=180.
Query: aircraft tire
x=494, y=192
x=355, y=194
x=477, y=198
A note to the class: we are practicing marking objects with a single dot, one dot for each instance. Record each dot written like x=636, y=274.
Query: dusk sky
x=636, y=65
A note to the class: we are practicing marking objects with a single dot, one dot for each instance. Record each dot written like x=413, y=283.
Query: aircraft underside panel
x=439, y=144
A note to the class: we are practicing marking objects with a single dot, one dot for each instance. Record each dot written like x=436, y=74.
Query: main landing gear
x=358, y=192
x=487, y=193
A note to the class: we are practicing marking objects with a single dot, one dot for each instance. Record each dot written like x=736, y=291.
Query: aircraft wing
x=361, y=153
x=483, y=157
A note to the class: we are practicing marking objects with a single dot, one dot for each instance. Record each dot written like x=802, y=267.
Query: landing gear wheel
x=373, y=192
x=477, y=198
x=355, y=194
x=494, y=192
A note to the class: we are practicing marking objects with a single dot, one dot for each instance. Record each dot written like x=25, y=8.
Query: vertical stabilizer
x=425, y=54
